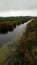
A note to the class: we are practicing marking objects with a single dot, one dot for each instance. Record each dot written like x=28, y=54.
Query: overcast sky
x=13, y=7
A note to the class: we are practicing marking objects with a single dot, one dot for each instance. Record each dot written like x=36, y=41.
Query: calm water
x=13, y=34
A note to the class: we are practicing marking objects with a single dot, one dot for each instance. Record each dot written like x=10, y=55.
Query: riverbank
x=27, y=46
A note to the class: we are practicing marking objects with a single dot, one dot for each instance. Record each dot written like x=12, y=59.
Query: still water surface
x=13, y=34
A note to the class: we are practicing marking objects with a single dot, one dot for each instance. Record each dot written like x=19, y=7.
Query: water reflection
x=5, y=30
x=7, y=35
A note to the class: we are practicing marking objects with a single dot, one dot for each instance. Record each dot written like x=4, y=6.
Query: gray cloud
x=6, y=5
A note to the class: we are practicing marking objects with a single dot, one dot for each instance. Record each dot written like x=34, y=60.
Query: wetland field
x=18, y=40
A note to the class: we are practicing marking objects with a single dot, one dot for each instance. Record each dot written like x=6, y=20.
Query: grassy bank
x=8, y=53
x=27, y=47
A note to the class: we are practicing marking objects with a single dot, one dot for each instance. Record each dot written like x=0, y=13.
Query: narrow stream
x=13, y=34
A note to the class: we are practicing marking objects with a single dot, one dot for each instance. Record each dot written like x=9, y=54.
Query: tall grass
x=27, y=46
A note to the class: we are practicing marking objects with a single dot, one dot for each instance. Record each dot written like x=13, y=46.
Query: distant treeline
x=15, y=18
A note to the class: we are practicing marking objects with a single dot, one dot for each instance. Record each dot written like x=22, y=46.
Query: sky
x=18, y=7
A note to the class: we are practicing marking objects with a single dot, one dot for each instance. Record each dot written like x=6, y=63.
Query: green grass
x=7, y=52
